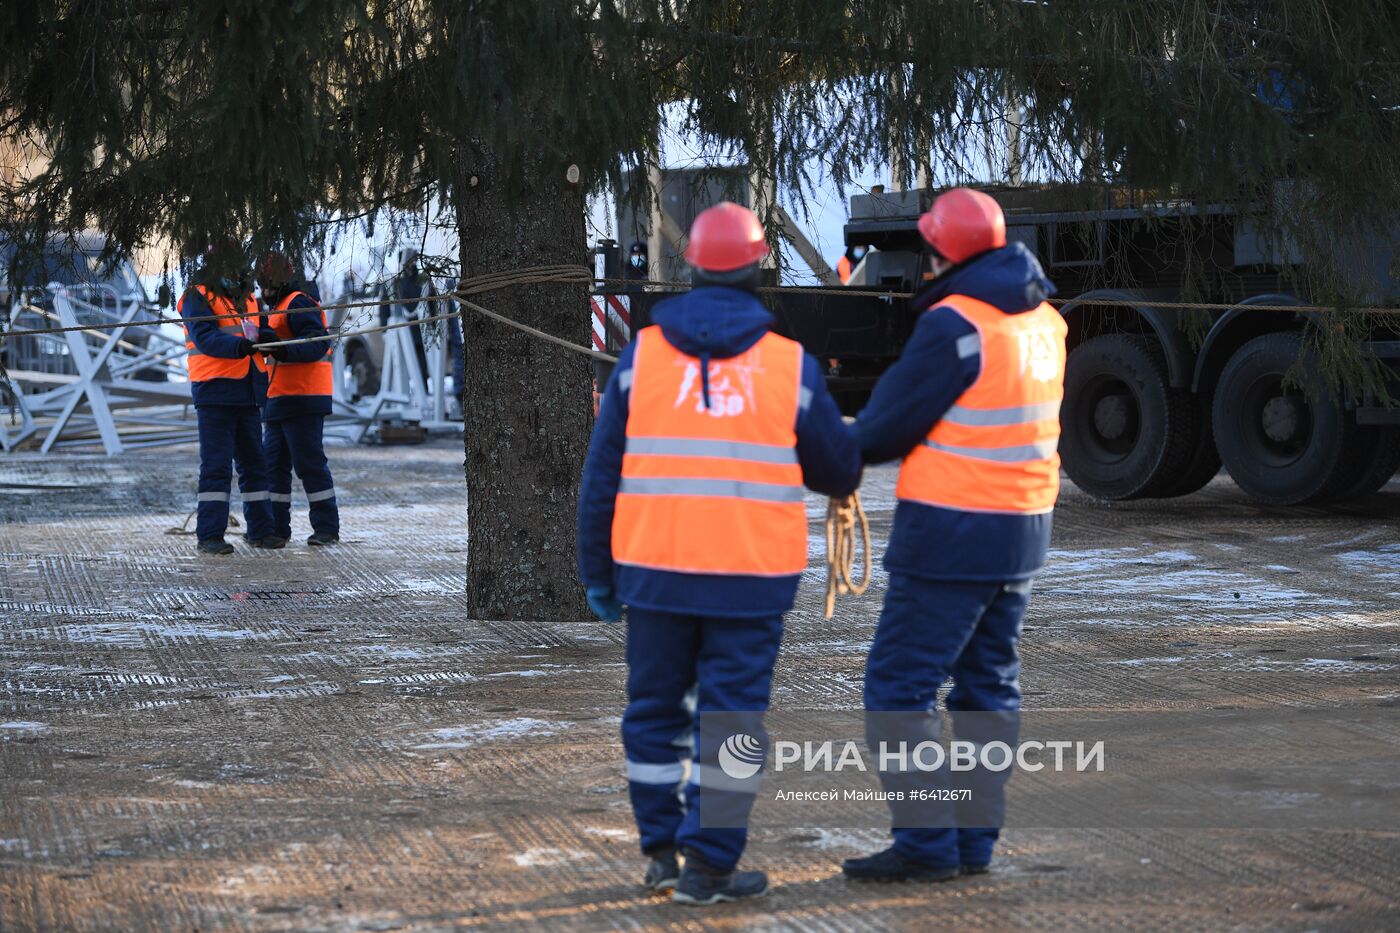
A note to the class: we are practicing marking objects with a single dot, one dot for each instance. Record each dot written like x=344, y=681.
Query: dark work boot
x=975, y=868
x=701, y=884
x=890, y=865
x=663, y=871
x=214, y=546
x=321, y=539
x=269, y=543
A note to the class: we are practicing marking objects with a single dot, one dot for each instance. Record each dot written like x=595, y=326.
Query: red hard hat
x=963, y=223
x=724, y=238
x=274, y=269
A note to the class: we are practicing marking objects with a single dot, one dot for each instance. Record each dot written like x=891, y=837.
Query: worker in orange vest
x=972, y=410
x=228, y=384
x=299, y=387
x=849, y=261
x=691, y=515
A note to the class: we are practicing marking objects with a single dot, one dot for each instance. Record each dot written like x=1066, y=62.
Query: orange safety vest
x=712, y=490
x=843, y=269
x=995, y=449
x=296, y=378
x=203, y=368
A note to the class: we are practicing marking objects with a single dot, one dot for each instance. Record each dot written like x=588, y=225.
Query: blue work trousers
x=228, y=435
x=295, y=443
x=931, y=630
x=681, y=668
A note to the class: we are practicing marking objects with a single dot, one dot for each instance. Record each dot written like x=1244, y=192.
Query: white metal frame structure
x=81, y=388
x=402, y=395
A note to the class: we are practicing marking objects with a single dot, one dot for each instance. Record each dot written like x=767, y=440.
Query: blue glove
x=604, y=603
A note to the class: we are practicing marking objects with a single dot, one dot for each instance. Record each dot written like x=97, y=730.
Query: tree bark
x=527, y=404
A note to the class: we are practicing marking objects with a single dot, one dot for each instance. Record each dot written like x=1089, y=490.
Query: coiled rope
x=844, y=517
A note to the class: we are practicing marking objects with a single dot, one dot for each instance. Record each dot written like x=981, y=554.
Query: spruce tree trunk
x=527, y=403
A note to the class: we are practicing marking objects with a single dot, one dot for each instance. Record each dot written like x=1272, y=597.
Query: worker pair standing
x=233, y=374
x=972, y=410
x=228, y=385
x=691, y=515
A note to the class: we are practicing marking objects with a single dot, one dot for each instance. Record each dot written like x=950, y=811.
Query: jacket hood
x=713, y=321
x=1009, y=278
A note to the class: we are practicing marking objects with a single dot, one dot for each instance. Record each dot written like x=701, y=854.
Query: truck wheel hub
x=1281, y=418
x=1111, y=416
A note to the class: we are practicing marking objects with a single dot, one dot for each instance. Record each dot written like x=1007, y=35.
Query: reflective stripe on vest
x=297, y=378
x=202, y=368
x=718, y=488
x=713, y=489
x=995, y=448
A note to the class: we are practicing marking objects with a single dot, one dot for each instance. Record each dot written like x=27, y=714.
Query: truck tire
x=1281, y=445
x=1378, y=458
x=1202, y=459
x=1117, y=425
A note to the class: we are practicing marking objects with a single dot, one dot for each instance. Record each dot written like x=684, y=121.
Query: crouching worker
x=298, y=401
x=972, y=410
x=691, y=515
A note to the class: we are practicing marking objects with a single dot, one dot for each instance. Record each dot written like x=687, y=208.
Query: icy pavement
x=320, y=739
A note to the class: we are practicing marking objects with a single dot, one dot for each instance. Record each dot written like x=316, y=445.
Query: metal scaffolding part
x=124, y=387
x=118, y=388
x=404, y=396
